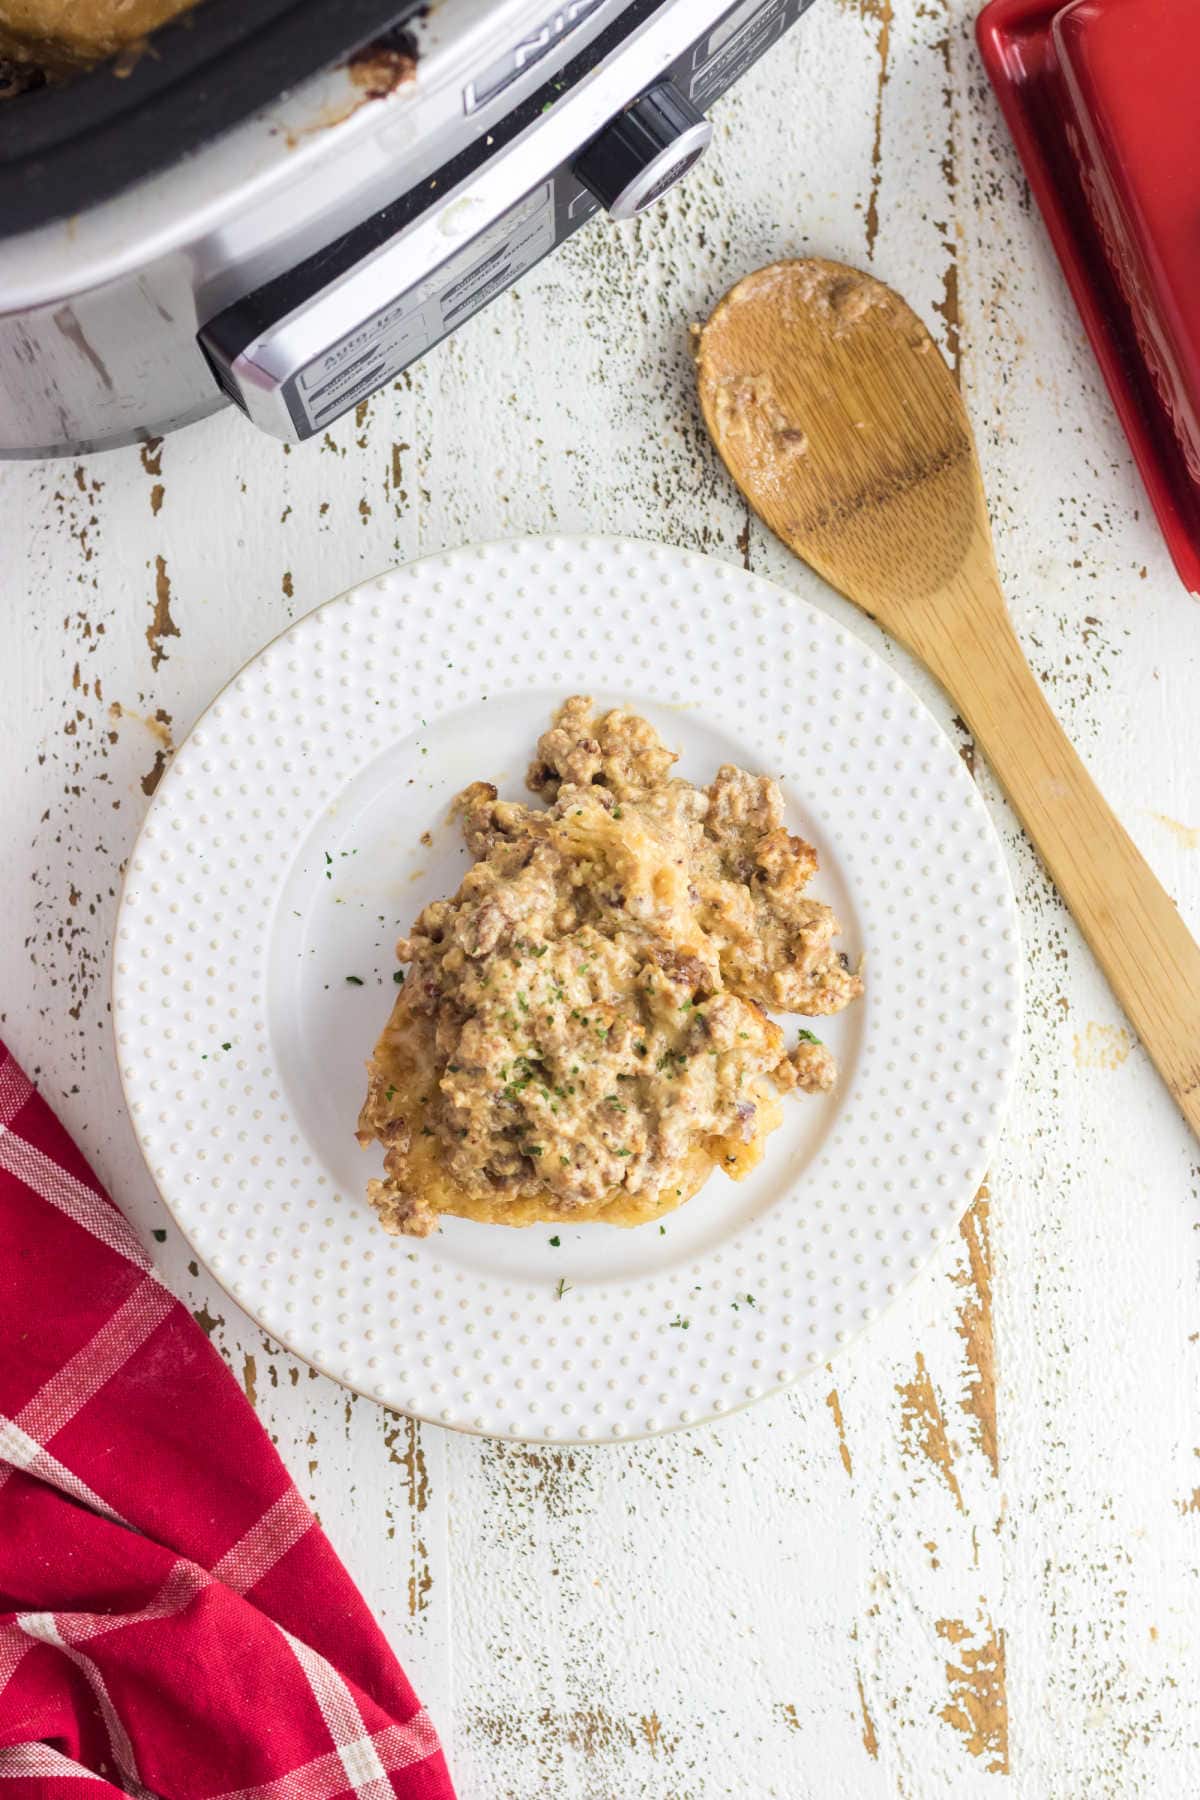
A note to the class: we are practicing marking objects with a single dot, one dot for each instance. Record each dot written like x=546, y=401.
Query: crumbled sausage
x=584, y=1030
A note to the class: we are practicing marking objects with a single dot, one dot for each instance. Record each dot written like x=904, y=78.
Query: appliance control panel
x=382, y=346
x=309, y=345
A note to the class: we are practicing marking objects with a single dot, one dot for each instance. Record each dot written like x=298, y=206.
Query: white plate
x=282, y=854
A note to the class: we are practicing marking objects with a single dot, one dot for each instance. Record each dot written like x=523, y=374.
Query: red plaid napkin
x=173, y=1622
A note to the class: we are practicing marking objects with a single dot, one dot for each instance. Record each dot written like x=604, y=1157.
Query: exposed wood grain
x=835, y=1407
x=161, y=625
x=1187, y=835
x=923, y=1427
x=975, y=1327
x=977, y=1708
x=870, y=1738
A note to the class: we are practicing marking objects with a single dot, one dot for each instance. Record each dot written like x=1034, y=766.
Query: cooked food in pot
x=65, y=34
x=583, y=1031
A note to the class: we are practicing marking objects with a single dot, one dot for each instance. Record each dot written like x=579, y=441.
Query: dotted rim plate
x=754, y=1283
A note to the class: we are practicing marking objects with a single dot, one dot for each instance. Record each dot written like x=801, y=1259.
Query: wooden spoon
x=842, y=425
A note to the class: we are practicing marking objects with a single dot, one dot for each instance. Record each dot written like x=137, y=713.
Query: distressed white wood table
x=965, y=1560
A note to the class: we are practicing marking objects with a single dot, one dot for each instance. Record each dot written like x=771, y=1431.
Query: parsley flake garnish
x=354, y=980
x=807, y=1037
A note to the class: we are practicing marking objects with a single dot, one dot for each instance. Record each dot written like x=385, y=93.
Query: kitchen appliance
x=256, y=210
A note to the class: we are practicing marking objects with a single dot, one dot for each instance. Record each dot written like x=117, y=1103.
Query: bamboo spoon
x=838, y=419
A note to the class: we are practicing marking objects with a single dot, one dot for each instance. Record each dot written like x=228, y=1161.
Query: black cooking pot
x=64, y=147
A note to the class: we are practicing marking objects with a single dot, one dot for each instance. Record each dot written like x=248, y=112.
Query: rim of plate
x=933, y=1201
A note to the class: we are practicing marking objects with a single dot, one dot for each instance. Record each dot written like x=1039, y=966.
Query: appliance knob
x=644, y=151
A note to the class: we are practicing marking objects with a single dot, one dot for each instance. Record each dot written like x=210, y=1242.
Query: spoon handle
x=1128, y=918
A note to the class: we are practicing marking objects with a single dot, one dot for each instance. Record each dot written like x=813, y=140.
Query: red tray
x=1100, y=95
